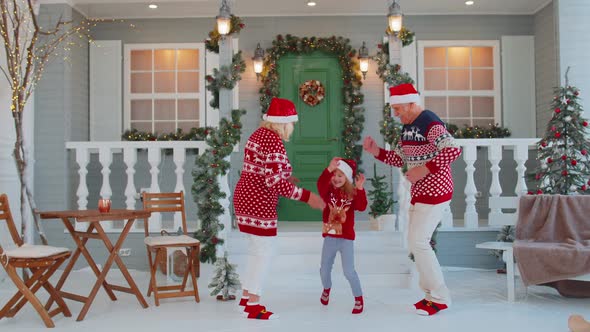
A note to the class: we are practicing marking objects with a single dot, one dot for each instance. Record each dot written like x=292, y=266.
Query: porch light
x=224, y=19
x=364, y=60
x=258, y=60
x=395, y=17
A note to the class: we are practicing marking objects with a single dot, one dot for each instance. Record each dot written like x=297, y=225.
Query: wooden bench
x=499, y=218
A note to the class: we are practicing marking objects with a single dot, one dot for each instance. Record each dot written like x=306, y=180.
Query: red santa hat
x=281, y=111
x=403, y=94
x=348, y=167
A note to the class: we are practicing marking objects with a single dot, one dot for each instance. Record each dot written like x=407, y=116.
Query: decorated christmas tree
x=564, y=163
x=226, y=280
x=381, y=201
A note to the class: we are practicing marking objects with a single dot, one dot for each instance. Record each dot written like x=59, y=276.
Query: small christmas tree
x=564, y=163
x=225, y=281
x=381, y=201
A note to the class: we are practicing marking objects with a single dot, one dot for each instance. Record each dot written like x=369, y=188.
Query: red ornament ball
x=557, y=110
x=563, y=157
x=583, y=152
x=549, y=160
x=564, y=173
x=585, y=123
x=543, y=144
x=574, y=163
x=584, y=187
x=538, y=176
x=539, y=192
x=214, y=240
x=557, y=135
x=577, y=93
x=529, y=192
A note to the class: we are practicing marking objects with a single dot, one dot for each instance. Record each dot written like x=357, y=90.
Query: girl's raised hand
x=359, y=181
x=333, y=164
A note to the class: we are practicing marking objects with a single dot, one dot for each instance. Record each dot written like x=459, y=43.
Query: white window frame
x=201, y=95
x=496, y=92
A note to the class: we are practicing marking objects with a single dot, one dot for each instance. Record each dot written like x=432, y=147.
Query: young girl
x=342, y=198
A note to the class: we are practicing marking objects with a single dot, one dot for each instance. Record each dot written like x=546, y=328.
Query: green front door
x=317, y=136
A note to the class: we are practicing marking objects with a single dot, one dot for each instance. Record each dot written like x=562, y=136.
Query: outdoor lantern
x=364, y=59
x=258, y=60
x=395, y=17
x=224, y=19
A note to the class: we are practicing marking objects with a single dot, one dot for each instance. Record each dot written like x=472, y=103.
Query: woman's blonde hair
x=284, y=130
x=348, y=187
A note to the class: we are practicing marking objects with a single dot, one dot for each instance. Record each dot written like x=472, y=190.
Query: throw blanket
x=552, y=238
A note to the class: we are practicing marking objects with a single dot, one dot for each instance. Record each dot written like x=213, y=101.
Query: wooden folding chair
x=42, y=261
x=157, y=246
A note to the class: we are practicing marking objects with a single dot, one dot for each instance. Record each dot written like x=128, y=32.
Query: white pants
x=261, y=249
x=423, y=221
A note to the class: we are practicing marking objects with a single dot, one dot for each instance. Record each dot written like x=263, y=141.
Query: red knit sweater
x=426, y=142
x=338, y=215
x=264, y=178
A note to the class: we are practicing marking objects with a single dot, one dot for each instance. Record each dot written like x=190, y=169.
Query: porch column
x=573, y=46
x=225, y=108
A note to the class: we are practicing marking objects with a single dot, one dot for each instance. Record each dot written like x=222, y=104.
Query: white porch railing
x=519, y=147
x=106, y=152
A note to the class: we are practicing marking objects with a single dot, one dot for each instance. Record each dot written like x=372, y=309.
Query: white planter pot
x=385, y=222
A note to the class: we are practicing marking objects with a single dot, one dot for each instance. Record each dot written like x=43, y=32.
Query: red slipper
x=258, y=311
x=431, y=308
x=420, y=303
x=325, y=298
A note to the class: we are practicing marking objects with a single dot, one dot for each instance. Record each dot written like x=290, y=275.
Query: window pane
x=188, y=81
x=483, y=122
x=435, y=57
x=460, y=122
x=483, y=79
x=164, y=109
x=458, y=79
x=142, y=126
x=165, y=127
x=188, y=109
x=164, y=82
x=141, y=60
x=482, y=57
x=164, y=59
x=459, y=107
x=141, y=83
x=186, y=126
x=141, y=109
x=483, y=107
x=435, y=79
x=436, y=104
x=188, y=59
x=458, y=56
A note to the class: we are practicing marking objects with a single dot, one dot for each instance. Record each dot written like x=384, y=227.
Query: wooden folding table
x=95, y=231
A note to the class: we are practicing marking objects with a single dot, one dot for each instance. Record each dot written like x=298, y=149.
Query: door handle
x=333, y=139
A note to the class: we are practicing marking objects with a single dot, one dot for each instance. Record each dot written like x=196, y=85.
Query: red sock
x=244, y=301
x=358, y=305
x=325, y=298
x=430, y=308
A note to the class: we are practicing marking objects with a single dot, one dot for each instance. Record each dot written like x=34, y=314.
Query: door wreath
x=312, y=92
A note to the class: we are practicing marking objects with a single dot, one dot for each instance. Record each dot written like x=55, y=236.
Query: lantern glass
x=364, y=64
x=258, y=65
x=223, y=25
x=395, y=22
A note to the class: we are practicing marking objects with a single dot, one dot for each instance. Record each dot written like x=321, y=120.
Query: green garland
x=206, y=190
x=493, y=131
x=352, y=96
x=195, y=134
x=405, y=35
x=225, y=77
x=212, y=44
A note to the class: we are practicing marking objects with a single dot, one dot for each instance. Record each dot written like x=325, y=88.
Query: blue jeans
x=346, y=247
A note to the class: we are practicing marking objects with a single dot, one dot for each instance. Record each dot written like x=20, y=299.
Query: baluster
x=495, y=155
x=82, y=158
x=130, y=158
x=521, y=154
x=404, y=197
x=106, y=158
x=154, y=158
x=225, y=218
x=179, y=158
x=470, y=216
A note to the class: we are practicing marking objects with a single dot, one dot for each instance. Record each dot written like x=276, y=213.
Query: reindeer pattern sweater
x=338, y=215
x=264, y=178
x=426, y=142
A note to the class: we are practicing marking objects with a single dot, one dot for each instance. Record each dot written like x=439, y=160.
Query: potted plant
x=380, y=212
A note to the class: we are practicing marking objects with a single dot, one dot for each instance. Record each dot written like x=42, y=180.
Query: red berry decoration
x=583, y=152
x=529, y=192
x=574, y=163
x=583, y=187
x=553, y=128
x=549, y=160
x=539, y=192
x=557, y=135
x=557, y=110
x=543, y=144
x=563, y=157
x=538, y=176
x=585, y=123
x=564, y=173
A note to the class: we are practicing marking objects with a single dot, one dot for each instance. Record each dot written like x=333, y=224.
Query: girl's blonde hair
x=284, y=130
x=348, y=187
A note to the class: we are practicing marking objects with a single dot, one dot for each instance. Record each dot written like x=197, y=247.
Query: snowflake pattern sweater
x=338, y=215
x=264, y=178
x=427, y=142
